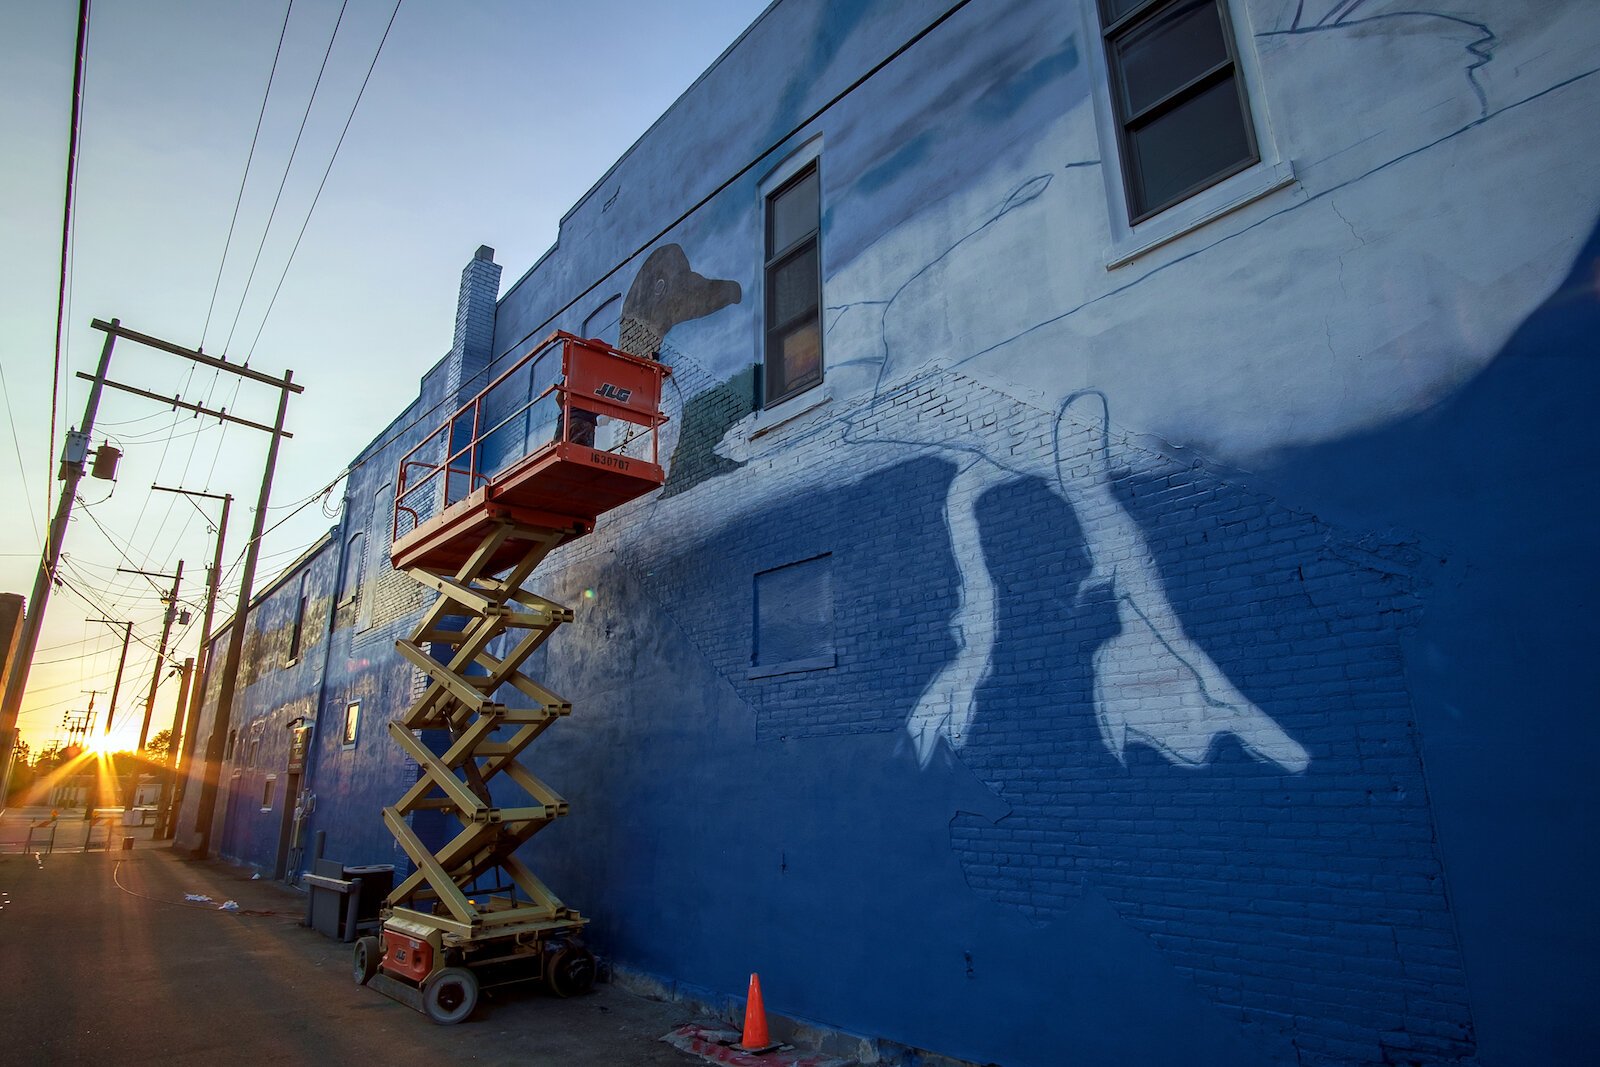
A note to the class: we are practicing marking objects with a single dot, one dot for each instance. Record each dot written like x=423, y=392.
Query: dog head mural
x=664, y=293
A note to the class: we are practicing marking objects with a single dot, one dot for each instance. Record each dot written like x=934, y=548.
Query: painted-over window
x=794, y=286
x=350, y=580
x=1179, y=98
x=605, y=322
x=793, y=629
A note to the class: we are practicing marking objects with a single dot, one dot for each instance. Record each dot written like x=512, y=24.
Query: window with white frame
x=352, y=723
x=793, y=276
x=1178, y=95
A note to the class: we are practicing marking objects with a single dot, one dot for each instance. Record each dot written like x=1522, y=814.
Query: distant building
x=1123, y=585
x=11, y=612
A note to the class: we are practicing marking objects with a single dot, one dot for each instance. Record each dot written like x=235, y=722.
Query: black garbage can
x=342, y=899
x=376, y=881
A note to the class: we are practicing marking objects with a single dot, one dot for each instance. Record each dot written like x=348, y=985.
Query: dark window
x=352, y=720
x=299, y=624
x=233, y=736
x=269, y=787
x=794, y=287
x=1183, y=121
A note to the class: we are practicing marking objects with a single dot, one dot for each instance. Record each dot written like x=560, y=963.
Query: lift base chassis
x=441, y=974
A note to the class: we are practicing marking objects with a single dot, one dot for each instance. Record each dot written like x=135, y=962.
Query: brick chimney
x=474, y=337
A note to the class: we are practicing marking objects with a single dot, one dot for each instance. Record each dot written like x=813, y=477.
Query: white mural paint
x=948, y=705
x=1003, y=286
x=1153, y=684
x=989, y=304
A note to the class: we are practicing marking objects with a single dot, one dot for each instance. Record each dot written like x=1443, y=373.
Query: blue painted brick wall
x=1279, y=896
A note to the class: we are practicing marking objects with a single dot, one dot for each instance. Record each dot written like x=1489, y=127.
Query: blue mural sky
x=481, y=123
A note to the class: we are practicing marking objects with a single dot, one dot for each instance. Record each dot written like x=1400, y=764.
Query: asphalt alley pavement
x=104, y=961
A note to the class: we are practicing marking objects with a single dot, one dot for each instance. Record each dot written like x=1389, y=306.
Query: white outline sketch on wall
x=1153, y=684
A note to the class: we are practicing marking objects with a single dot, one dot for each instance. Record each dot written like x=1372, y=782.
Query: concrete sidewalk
x=51, y=830
x=106, y=961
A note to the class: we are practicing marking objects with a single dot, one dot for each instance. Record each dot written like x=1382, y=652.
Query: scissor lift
x=565, y=434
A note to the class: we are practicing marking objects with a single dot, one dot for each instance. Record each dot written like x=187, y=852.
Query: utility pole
x=161, y=651
x=230, y=668
x=130, y=792
x=73, y=454
x=191, y=728
x=72, y=471
x=116, y=687
x=78, y=725
x=170, y=792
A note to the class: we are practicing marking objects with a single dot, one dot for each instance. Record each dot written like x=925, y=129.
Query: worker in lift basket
x=583, y=426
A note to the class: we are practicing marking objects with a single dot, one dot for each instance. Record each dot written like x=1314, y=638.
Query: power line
x=374, y=451
x=216, y=456
x=337, y=145
x=64, y=644
x=81, y=595
x=254, y=137
x=116, y=544
x=22, y=470
x=80, y=54
x=285, y=179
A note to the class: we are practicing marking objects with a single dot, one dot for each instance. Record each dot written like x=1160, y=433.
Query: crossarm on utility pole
x=185, y=405
x=114, y=328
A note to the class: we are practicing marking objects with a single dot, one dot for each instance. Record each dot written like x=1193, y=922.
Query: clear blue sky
x=482, y=124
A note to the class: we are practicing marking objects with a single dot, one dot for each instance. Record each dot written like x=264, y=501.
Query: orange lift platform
x=565, y=434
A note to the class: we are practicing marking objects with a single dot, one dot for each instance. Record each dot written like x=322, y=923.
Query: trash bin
x=376, y=881
x=340, y=899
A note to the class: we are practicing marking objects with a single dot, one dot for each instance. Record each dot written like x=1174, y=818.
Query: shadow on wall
x=1308, y=907
x=1503, y=477
x=1294, y=901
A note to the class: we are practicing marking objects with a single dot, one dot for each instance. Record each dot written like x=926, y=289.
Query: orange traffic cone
x=755, y=1037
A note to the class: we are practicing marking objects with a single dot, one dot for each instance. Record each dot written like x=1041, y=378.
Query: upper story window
x=352, y=722
x=350, y=581
x=1181, y=107
x=382, y=530
x=297, y=631
x=794, y=287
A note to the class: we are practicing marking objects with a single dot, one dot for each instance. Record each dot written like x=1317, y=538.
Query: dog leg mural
x=1152, y=683
x=948, y=704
